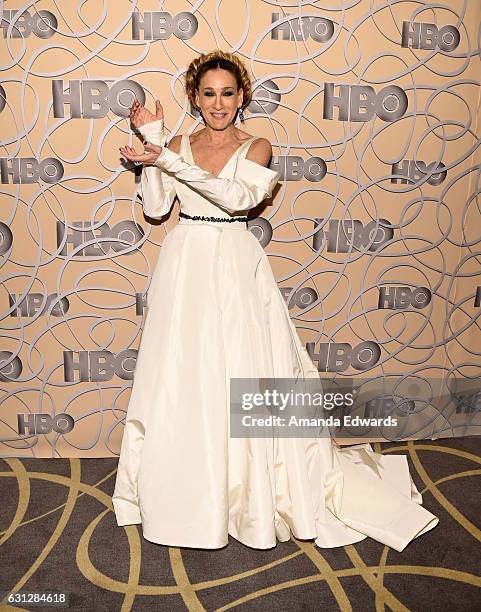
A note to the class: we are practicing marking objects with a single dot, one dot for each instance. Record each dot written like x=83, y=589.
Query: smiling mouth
x=218, y=115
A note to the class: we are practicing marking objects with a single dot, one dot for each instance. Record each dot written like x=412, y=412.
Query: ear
x=197, y=99
x=241, y=94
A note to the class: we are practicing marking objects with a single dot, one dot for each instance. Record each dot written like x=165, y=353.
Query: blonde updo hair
x=217, y=59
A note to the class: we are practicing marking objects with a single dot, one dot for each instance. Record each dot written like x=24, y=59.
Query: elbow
x=242, y=200
x=155, y=212
x=155, y=207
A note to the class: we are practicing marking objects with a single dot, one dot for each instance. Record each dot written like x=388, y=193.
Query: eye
x=226, y=93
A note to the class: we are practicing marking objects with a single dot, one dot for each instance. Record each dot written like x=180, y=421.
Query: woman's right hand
x=139, y=115
x=150, y=154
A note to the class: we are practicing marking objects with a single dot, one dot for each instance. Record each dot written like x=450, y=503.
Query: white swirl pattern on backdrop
x=373, y=112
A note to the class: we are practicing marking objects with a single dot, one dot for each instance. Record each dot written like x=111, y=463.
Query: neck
x=219, y=137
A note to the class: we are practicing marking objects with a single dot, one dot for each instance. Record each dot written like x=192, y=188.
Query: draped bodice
x=195, y=203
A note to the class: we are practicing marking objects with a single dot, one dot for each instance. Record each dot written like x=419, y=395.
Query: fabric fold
x=157, y=188
x=252, y=185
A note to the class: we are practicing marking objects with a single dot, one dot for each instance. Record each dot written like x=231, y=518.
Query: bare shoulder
x=260, y=151
x=174, y=144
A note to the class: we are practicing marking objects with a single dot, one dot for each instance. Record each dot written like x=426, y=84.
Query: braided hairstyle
x=217, y=59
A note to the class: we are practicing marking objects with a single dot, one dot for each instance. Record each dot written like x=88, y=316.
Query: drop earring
x=239, y=117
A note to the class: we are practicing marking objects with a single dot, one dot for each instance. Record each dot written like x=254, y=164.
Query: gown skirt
x=214, y=311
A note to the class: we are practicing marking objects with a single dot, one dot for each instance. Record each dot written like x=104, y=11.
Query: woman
x=214, y=313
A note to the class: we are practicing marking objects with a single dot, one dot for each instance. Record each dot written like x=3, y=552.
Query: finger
x=131, y=153
x=134, y=108
x=131, y=158
x=141, y=158
x=128, y=151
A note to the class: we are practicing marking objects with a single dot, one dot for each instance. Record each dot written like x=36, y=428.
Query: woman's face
x=218, y=98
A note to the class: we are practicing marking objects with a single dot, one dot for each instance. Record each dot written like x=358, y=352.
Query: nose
x=218, y=101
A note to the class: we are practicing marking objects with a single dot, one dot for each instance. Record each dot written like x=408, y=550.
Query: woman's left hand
x=150, y=154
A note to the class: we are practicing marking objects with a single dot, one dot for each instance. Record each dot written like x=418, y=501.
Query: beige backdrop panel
x=408, y=222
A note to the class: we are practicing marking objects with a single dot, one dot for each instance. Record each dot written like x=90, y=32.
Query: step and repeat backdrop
x=373, y=232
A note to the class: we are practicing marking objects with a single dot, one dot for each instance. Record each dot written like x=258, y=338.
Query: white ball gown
x=214, y=311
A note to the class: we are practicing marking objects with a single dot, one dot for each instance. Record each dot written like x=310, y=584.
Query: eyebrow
x=229, y=87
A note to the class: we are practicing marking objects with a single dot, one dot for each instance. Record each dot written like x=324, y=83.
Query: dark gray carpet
x=58, y=532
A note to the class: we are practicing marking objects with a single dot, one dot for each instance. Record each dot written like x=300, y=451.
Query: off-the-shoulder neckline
x=186, y=138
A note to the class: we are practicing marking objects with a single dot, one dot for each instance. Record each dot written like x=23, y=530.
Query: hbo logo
x=43, y=423
x=266, y=98
x=344, y=236
x=30, y=170
x=6, y=238
x=42, y=23
x=95, y=366
x=32, y=304
x=338, y=356
x=414, y=170
x=467, y=403
x=261, y=228
x=3, y=98
x=318, y=28
x=140, y=303
x=380, y=407
x=93, y=99
x=427, y=36
x=399, y=298
x=12, y=370
x=294, y=168
x=362, y=103
x=477, y=297
x=302, y=298
x=127, y=233
x=161, y=25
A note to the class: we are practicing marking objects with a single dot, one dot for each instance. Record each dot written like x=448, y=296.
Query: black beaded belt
x=202, y=218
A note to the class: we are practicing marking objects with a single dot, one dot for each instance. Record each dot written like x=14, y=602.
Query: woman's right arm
x=157, y=186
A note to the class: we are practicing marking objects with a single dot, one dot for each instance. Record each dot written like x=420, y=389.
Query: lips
x=219, y=116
